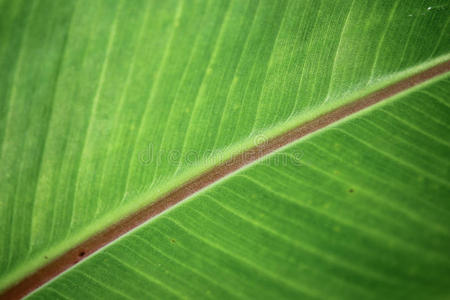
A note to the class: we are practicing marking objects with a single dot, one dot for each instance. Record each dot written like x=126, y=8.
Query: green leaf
x=105, y=106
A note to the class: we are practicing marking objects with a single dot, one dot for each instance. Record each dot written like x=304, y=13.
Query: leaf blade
x=68, y=186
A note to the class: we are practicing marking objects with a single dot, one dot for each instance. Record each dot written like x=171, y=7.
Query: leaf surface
x=107, y=105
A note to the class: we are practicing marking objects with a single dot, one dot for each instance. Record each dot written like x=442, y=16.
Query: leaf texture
x=107, y=105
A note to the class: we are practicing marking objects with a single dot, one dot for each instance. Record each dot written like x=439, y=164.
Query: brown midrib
x=110, y=234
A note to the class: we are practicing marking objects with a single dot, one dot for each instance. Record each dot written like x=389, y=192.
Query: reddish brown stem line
x=96, y=242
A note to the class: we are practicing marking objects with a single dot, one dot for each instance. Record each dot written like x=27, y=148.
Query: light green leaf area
x=106, y=105
x=359, y=210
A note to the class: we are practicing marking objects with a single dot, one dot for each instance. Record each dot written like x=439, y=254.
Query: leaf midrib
x=213, y=175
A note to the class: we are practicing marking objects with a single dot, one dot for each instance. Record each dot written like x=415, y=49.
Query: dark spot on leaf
x=173, y=241
x=46, y=257
x=81, y=254
x=350, y=190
